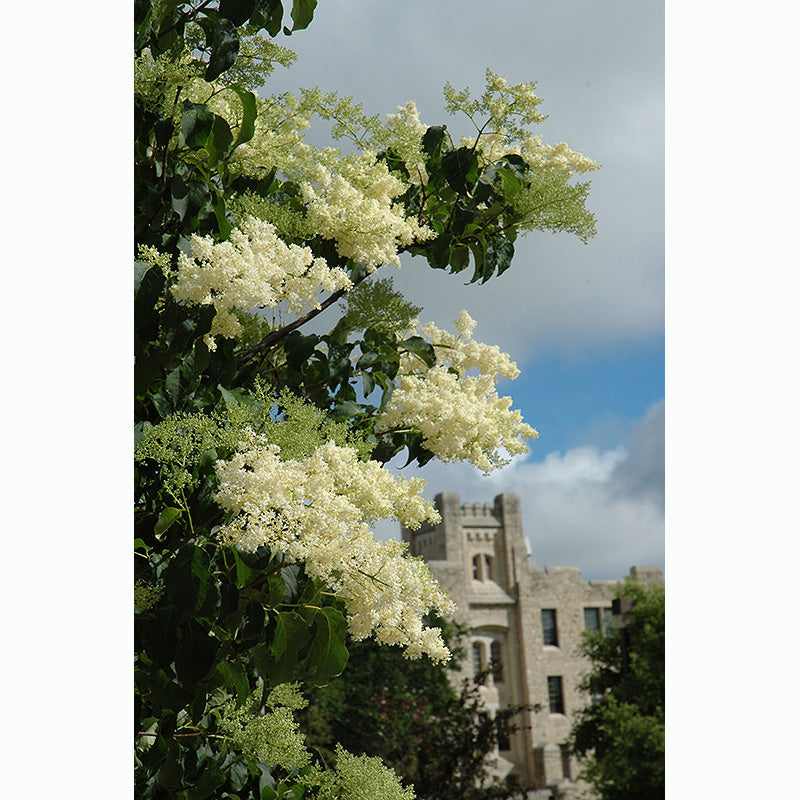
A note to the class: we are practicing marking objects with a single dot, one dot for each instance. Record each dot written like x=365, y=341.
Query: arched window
x=477, y=658
x=497, y=662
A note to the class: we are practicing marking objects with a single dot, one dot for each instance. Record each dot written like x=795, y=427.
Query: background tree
x=436, y=738
x=621, y=734
x=259, y=445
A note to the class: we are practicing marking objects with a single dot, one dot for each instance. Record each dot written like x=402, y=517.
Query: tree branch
x=275, y=336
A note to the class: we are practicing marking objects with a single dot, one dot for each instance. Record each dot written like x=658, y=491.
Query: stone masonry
x=525, y=624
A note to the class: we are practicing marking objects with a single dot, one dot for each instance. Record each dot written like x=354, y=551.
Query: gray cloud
x=641, y=474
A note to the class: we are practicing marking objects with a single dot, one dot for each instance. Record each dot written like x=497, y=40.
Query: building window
x=497, y=662
x=549, y=626
x=555, y=694
x=482, y=567
x=565, y=762
x=477, y=658
x=591, y=619
x=503, y=742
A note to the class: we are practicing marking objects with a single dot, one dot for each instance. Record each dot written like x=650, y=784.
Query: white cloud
x=602, y=511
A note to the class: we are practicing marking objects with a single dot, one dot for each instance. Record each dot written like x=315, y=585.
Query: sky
x=584, y=322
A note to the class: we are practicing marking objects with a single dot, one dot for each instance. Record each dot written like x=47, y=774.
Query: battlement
x=477, y=509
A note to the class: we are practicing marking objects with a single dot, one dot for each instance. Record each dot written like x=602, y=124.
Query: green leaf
x=219, y=141
x=268, y=14
x=291, y=636
x=196, y=121
x=459, y=257
x=460, y=168
x=236, y=396
x=367, y=359
x=191, y=587
x=328, y=654
x=299, y=347
x=420, y=348
x=170, y=774
x=439, y=251
x=339, y=364
x=275, y=589
x=162, y=405
x=510, y=182
x=195, y=653
x=172, y=384
x=498, y=255
x=235, y=677
x=165, y=520
x=517, y=162
x=291, y=581
x=302, y=13
x=179, y=194
x=248, y=126
x=223, y=225
x=432, y=141
x=238, y=775
x=344, y=409
x=223, y=40
x=149, y=285
x=196, y=362
x=237, y=11
x=369, y=383
x=211, y=779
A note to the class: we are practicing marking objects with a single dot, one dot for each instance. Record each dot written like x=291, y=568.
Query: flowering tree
x=260, y=445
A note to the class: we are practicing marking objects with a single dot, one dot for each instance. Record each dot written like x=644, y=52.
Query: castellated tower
x=525, y=625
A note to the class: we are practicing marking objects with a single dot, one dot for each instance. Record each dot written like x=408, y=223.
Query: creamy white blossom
x=403, y=133
x=361, y=778
x=253, y=268
x=318, y=510
x=454, y=404
x=273, y=736
x=351, y=200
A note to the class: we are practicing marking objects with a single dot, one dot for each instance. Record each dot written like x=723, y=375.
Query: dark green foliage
x=621, y=735
x=408, y=714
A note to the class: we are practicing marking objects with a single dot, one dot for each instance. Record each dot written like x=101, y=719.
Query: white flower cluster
x=361, y=778
x=145, y=595
x=273, y=736
x=460, y=415
x=556, y=159
x=351, y=200
x=403, y=133
x=278, y=137
x=317, y=510
x=253, y=268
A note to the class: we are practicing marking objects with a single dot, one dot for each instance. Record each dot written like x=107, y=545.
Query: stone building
x=526, y=623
